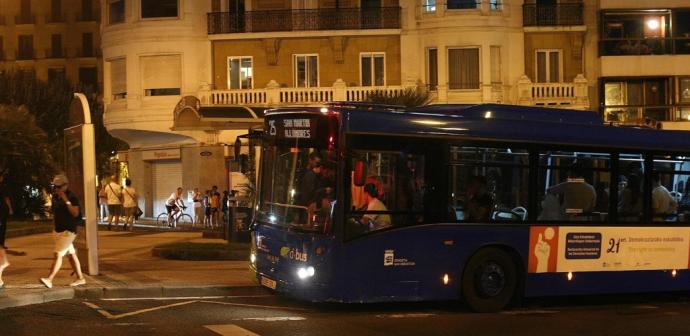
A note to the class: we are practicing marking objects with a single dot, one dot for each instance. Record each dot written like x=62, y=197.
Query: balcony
x=564, y=14
x=55, y=18
x=305, y=19
x=57, y=53
x=25, y=19
x=25, y=55
x=274, y=95
x=644, y=46
x=565, y=95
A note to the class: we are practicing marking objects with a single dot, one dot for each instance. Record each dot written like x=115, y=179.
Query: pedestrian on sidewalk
x=215, y=206
x=130, y=204
x=198, y=207
x=205, y=201
x=66, y=216
x=102, y=202
x=5, y=212
x=114, y=191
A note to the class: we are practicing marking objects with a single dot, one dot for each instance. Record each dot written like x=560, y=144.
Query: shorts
x=170, y=208
x=129, y=211
x=115, y=209
x=64, y=242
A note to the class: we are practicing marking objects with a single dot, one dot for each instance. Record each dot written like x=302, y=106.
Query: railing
x=305, y=19
x=565, y=14
x=55, y=18
x=463, y=4
x=24, y=19
x=25, y=55
x=573, y=94
x=57, y=53
x=644, y=46
x=275, y=95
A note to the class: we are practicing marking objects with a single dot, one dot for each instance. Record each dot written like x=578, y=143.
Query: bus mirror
x=360, y=173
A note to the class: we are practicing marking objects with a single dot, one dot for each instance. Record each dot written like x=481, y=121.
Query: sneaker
x=47, y=282
x=78, y=282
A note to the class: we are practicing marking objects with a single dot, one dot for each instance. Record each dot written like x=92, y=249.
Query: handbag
x=138, y=213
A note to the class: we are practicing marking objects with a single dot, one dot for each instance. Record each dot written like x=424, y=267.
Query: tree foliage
x=25, y=158
x=410, y=97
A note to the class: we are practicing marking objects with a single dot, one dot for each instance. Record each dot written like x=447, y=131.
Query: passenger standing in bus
x=479, y=201
x=310, y=181
x=579, y=197
x=630, y=199
x=375, y=221
x=663, y=204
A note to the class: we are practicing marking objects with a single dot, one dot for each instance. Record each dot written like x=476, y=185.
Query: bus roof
x=508, y=123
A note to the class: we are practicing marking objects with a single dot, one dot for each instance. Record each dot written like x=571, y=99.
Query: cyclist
x=173, y=205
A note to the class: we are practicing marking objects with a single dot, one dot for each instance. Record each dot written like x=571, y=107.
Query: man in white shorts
x=66, y=215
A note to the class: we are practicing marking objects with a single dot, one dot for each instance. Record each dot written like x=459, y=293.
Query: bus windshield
x=298, y=177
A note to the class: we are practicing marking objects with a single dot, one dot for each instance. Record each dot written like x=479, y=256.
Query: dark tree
x=411, y=97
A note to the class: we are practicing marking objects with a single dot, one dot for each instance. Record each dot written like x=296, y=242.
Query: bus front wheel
x=489, y=281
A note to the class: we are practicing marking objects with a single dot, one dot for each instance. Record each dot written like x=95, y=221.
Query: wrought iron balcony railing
x=25, y=19
x=304, y=19
x=565, y=14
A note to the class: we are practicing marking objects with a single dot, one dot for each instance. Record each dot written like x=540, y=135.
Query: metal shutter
x=167, y=176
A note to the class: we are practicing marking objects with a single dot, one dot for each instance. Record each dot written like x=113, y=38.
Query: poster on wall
x=590, y=249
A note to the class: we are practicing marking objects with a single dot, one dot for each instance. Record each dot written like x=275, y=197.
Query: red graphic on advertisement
x=543, y=249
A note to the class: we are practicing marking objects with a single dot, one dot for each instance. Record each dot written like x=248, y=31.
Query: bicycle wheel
x=185, y=221
x=162, y=220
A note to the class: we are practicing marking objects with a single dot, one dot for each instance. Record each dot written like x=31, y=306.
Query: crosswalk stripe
x=230, y=330
x=274, y=319
x=115, y=317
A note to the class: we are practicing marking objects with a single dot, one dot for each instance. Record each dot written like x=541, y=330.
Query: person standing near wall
x=129, y=204
x=198, y=207
x=114, y=192
x=5, y=212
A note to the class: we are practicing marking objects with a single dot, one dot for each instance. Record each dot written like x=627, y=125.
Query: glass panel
x=378, y=70
x=158, y=8
x=116, y=11
x=669, y=182
x=300, y=71
x=574, y=186
x=366, y=70
x=247, y=73
x=554, y=67
x=433, y=69
x=235, y=73
x=684, y=90
x=541, y=67
x=429, y=5
x=630, y=185
x=313, y=71
x=463, y=68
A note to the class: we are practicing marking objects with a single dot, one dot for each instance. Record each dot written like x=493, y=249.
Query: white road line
x=529, y=312
x=230, y=330
x=252, y=305
x=646, y=307
x=186, y=298
x=137, y=312
x=274, y=319
x=411, y=315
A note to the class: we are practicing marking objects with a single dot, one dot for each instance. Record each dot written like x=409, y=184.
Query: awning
x=190, y=115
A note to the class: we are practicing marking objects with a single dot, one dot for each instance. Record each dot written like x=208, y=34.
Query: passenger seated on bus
x=479, y=202
x=374, y=221
x=602, y=204
x=630, y=199
x=663, y=204
x=579, y=197
x=550, y=208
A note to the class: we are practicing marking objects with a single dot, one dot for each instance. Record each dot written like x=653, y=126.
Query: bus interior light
x=446, y=279
x=570, y=276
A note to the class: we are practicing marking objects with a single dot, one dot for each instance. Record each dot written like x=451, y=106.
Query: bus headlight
x=305, y=272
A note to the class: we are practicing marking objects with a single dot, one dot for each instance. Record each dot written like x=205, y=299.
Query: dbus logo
x=388, y=257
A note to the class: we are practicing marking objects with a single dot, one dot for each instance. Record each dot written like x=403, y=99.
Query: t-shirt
x=662, y=201
x=64, y=221
x=578, y=196
x=114, y=192
x=215, y=200
x=172, y=200
x=129, y=194
x=378, y=221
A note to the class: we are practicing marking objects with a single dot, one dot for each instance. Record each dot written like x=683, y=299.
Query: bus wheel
x=489, y=280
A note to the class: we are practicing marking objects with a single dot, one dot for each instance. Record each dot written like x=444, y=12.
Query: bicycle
x=180, y=219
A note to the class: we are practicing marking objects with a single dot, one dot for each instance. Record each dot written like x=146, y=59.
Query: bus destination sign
x=298, y=128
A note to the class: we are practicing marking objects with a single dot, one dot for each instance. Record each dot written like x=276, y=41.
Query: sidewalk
x=127, y=269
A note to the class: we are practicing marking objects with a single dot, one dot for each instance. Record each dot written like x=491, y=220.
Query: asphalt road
x=666, y=314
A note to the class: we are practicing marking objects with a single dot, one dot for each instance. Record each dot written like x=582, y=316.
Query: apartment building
x=53, y=38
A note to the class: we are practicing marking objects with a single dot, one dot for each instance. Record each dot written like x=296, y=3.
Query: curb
x=96, y=293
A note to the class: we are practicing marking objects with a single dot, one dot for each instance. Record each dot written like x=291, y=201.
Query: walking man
x=66, y=216
x=114, y=191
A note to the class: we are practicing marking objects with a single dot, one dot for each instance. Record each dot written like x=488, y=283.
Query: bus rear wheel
x=489, y=281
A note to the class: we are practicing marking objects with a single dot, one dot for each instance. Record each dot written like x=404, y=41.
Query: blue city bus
x=485, y=203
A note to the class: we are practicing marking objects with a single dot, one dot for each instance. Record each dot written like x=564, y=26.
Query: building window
x=240, y=73
x=496, y=65
x=306, y=70
x=87, y=10
x=116, y=11
x=55, y=11
x=463, y=69
x=25, y=16
x=56, y=46
x=88, y=77
x=432, y=68
x=429, y=5
x=495, y=5
x=158, y=9
x=2, y=49
x=87, y=45
x=637, y=101
x=643, y=33
x=56, y=74
x=549, y=66
x=464, y=4
x=162, y=75
x=373, y=69
x=118, y=78
x=26, y=47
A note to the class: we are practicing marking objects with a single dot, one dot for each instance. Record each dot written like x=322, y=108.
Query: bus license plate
x=268, y=282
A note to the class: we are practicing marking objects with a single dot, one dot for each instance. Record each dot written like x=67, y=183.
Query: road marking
x=110, y=316
x=274, y=319
x=410, y=315
x=529, y=312
x=230, y=330
x=252, y=305
x=185, y=298
x=646, y=307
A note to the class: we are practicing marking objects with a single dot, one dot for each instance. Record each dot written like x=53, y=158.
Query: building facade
x=53, y=38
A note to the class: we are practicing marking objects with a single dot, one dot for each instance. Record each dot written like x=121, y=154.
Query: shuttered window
x=161, y=75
